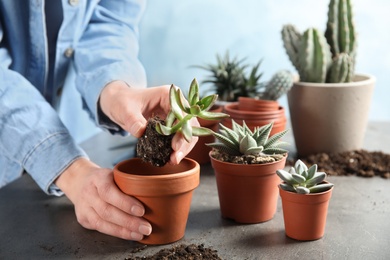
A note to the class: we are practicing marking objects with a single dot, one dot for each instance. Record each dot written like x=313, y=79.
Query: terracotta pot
x=253, y=104
x=305, y=214
x=200, y=152
x=330, y=117
x=256, y=118
x=166, y=193
x=247, y=193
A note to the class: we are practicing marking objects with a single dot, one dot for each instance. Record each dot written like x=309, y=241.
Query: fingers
x=100, y=205
x=180, y=146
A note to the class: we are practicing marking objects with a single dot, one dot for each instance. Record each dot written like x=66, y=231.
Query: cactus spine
x=326, y=58
x=280, y=83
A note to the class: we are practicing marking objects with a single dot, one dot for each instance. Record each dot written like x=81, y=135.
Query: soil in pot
x=356, y=162
x=153, y=147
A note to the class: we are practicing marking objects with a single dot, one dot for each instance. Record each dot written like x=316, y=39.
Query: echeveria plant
x=304, y=180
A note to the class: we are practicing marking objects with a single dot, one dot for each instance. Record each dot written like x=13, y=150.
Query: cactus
x=328, y=57
x=303, y=180
x=240, y=140
x=183, y=110
x=280, y=83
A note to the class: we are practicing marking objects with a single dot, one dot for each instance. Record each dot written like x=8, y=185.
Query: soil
x=188, y=252
x=245, y=159
x=153, y=147
x=357, y=162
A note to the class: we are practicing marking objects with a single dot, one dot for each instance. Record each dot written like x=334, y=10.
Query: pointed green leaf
x=208, y=102
x=229, y=133
x=246, y=143
x=201, y=131
x=187, y=131
x=264, y=134
x=223, y=148
x=182, y=101
x=164, y=130
x=254, y=150
x=226, y=141
x=170, y=119
x=195, y=110
x=271, y=151
x=175, y=107
x=193, y=95
x=207, y=115
x=274, y=139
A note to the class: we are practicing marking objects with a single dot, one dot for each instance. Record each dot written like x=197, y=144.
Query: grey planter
x=330, y=117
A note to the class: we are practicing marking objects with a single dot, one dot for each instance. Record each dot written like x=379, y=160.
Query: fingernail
x=136, y=236
x=145, y=230
x=180, y=156
x=137, y=211
x=135, y=128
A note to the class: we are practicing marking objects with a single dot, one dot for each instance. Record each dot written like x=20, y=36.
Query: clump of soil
x=357, y=162
x=187, y=252
x=153, y=147
x=245, y=159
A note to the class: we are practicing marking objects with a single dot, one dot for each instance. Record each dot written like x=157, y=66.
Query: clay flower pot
x=255, y=118
x=305, y=214
x=247, y=193
x=253, y=104
x=330, y=117
x=200, y=152
x=166, y=193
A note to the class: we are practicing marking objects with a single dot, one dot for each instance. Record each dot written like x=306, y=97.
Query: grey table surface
x=37, y=226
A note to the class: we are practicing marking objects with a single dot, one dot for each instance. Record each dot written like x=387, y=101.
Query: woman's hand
x=99, y=204
x=129, y=107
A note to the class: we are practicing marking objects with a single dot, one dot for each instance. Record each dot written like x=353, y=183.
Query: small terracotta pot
x=200, y=152
x=305, y=214
x=253, y=104
x=166, y=193
x=247, y=193
x=256, y=118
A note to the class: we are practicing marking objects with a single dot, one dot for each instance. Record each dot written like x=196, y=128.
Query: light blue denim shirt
x=98, y=39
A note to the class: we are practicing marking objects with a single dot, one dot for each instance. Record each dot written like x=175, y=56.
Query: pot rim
x=178, y=181
x=360, y=79
x=232, y=109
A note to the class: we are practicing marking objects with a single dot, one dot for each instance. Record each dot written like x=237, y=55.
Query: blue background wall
x=177, y=34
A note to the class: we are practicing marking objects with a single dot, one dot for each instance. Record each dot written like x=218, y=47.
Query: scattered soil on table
x=153, y=147
x=187, y=252
x=357, y=162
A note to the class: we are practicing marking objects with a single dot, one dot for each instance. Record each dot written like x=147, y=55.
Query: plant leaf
x=271, y=142
x=175, y=107
x=193, y=95
x=212, y=115
x=321, y=187
x=208, y=102
x=298, y=178
x=187, y=131
x=311, y=171
x=164, y=130
x=302, y=190
x=317, y=178
x=287, y=187
x=201, y=131
x=246, y=143
x=223, y=148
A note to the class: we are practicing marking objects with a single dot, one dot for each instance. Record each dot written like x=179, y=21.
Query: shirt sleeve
x=108, y=51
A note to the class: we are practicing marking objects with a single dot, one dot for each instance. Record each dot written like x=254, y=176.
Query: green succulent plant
x=183, y=110
x=303, y=180
x=328, y=57
x=229, y=80
x=240, y=140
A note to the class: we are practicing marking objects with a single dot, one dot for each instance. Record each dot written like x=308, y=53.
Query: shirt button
x=68, y=52
x=73, y=2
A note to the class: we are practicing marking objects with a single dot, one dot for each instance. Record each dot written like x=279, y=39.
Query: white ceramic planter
x=330, y=117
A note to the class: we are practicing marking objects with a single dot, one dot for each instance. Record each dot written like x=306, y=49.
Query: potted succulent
x=305, y=198
x=165, y=189
x=329, y=104
x=245, y=164
x=245, y=97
